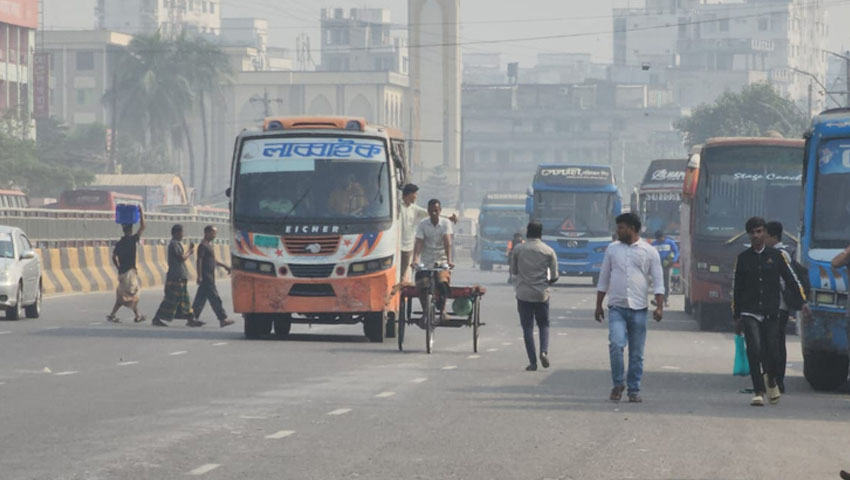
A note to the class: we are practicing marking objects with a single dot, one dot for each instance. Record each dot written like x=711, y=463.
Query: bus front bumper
x=825, y=331
x=254, y=293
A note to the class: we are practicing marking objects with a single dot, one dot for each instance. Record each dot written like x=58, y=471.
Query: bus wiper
x=735, y=238
x=294, y=206
x=378, y=195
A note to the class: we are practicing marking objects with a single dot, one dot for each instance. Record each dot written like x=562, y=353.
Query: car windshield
x=831, y=222
x=586, y=213
x=312, y=178
x=660, y=211
x=502, y=223
x=737, y=183
x=7, y=249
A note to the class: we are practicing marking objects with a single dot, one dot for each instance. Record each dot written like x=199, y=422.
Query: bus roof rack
x=357, y=124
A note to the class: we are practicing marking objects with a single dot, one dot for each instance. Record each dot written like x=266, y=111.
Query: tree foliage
x=754, y=111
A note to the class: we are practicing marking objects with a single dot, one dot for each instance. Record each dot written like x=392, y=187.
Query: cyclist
x=433, y=247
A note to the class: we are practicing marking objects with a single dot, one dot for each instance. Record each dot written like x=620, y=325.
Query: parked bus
x=826, y=231
x=658, y=202
x=502, y=215
x=315, y=219
x=95, y=200
x=13, y=199
x=577, y=205
x=727, y=182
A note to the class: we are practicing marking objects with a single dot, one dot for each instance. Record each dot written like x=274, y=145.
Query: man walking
x=206, y=280
x=756, y=300
x=534, y=266
x=669, y=252
x=627, y=269
x=124, y=259
x=176, y=302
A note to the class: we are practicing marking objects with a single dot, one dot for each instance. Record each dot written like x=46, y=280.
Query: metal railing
x=49, y=228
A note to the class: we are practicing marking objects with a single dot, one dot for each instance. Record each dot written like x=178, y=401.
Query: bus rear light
x=702, y=265
x=714, y=269
x=340, y=271
x=283, y=271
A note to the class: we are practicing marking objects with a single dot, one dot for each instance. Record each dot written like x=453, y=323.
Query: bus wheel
x=486, y=266
x=703, y=316
x=688, y=307
x=282, y=325
x=373, y=327
x=825, y=371
x=391, y=325
x=257, y=325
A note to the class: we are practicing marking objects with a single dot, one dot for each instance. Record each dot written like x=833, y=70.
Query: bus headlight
x=714, y=269
x=370, y=266
x=824, y=298
x=253, y=266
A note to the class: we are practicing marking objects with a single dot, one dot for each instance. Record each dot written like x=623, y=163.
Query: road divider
x=90, y=269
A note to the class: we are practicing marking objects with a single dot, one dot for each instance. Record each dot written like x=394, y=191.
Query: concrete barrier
x=90, y=269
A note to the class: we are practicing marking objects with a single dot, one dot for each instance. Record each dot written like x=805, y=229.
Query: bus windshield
x=737, y=183
x=588, y=213
x=660, y=211
x=316, y=178
x=831, y=219
x=502, y=223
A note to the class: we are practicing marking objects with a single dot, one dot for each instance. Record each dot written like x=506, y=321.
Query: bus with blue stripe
x=577, y=205
x=502, y=215
x=825, y=336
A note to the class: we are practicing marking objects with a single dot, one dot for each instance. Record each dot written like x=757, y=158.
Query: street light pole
x=846, y=58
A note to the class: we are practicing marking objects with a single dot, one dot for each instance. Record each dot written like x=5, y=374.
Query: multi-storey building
x=361, y=41
x=170, y=17
x=18, y=21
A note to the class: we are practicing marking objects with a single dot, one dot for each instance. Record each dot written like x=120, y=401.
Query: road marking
x=181, y=352
x=492, y=349
x=252, y=417
x=385, y=395
x=506, y=344
x=420, y=380
x=95, y=323
x=49, y=328
x=204, y=469
x=280, y=434
x=339, y=411
x=69, y=372
x=449, y=367
x=669, y=367
x=2, y=383
x=124, y=364
x=5, y=332
x=47, y=370
x=473, y=357
x=219, y=344
x=562, y=334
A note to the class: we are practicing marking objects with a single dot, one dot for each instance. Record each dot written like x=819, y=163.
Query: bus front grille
x=311, y=271
x=312, y=290
x=319, y=245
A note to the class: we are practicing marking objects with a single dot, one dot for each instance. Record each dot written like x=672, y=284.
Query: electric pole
x=266, y=101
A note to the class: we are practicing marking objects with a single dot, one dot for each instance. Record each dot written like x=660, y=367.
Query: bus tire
x=703, y=316
x=282, y=325
x=688, y=307
x=825, y=371
x=486, y=267
x=257, y=325
x=373, y=327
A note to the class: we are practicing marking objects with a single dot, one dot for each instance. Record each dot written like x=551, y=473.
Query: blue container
x=127, y=214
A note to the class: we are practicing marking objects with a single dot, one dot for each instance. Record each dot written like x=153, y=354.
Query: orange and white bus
x=315, y=209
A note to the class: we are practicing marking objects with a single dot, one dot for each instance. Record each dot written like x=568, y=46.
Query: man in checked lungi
x=176, y=303
x=124, y=258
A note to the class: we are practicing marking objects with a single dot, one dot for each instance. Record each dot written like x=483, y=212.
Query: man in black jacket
x=757, y=294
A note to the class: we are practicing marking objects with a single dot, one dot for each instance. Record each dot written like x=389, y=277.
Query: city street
x=81, y=398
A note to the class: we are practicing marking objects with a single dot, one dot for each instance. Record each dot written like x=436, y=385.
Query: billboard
x=23, y=13
x=41, y=86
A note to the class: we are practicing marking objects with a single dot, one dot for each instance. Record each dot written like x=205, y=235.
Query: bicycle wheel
x=476, y=323
x=429, y=322
x=402, y=321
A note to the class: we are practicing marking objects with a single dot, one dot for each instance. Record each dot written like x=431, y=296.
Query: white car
x=20, y=275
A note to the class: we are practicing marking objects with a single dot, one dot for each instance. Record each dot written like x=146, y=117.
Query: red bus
x=95, y=200
x=727, y=182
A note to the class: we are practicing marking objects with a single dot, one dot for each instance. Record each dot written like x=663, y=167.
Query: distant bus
x=315, y=224
x=502, y=215
x=729, y=181
x=577, y=205
x=94, y=200
x=13, y=199
x=194, y=210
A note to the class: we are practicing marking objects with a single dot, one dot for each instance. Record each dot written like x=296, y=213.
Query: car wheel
x=17, y=311
x=34, y=310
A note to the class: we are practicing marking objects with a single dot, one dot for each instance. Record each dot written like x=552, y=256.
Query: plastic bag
x=742, y=364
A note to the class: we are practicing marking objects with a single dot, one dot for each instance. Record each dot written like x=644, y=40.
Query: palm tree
x=205, y=67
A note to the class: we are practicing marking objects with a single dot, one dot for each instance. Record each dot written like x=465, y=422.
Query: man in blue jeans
x=627, y=269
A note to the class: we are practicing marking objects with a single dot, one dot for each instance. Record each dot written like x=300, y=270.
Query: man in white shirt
x=629, y=266
x=411, y=215
x=434, y=247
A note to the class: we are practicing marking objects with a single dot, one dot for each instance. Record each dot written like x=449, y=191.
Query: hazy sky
x=482, y=20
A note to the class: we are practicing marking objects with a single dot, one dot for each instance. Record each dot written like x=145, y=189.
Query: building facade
x=361, y=40
x=18, y=22
x=170, y=17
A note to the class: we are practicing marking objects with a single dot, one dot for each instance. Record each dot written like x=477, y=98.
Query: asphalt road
x=84, y=399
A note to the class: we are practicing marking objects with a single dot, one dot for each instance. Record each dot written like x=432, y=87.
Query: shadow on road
x=190, y=334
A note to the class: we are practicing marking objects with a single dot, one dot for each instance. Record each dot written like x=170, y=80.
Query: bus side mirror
x=227, y=192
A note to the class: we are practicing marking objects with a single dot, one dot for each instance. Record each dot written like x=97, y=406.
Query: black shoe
x=531, y=368
x=845, y=475
x=195, y=323
x=158, y=323
x=544, y=359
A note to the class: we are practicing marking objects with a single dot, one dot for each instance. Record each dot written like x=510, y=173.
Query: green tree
x=754, y=111
x=23, y=168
